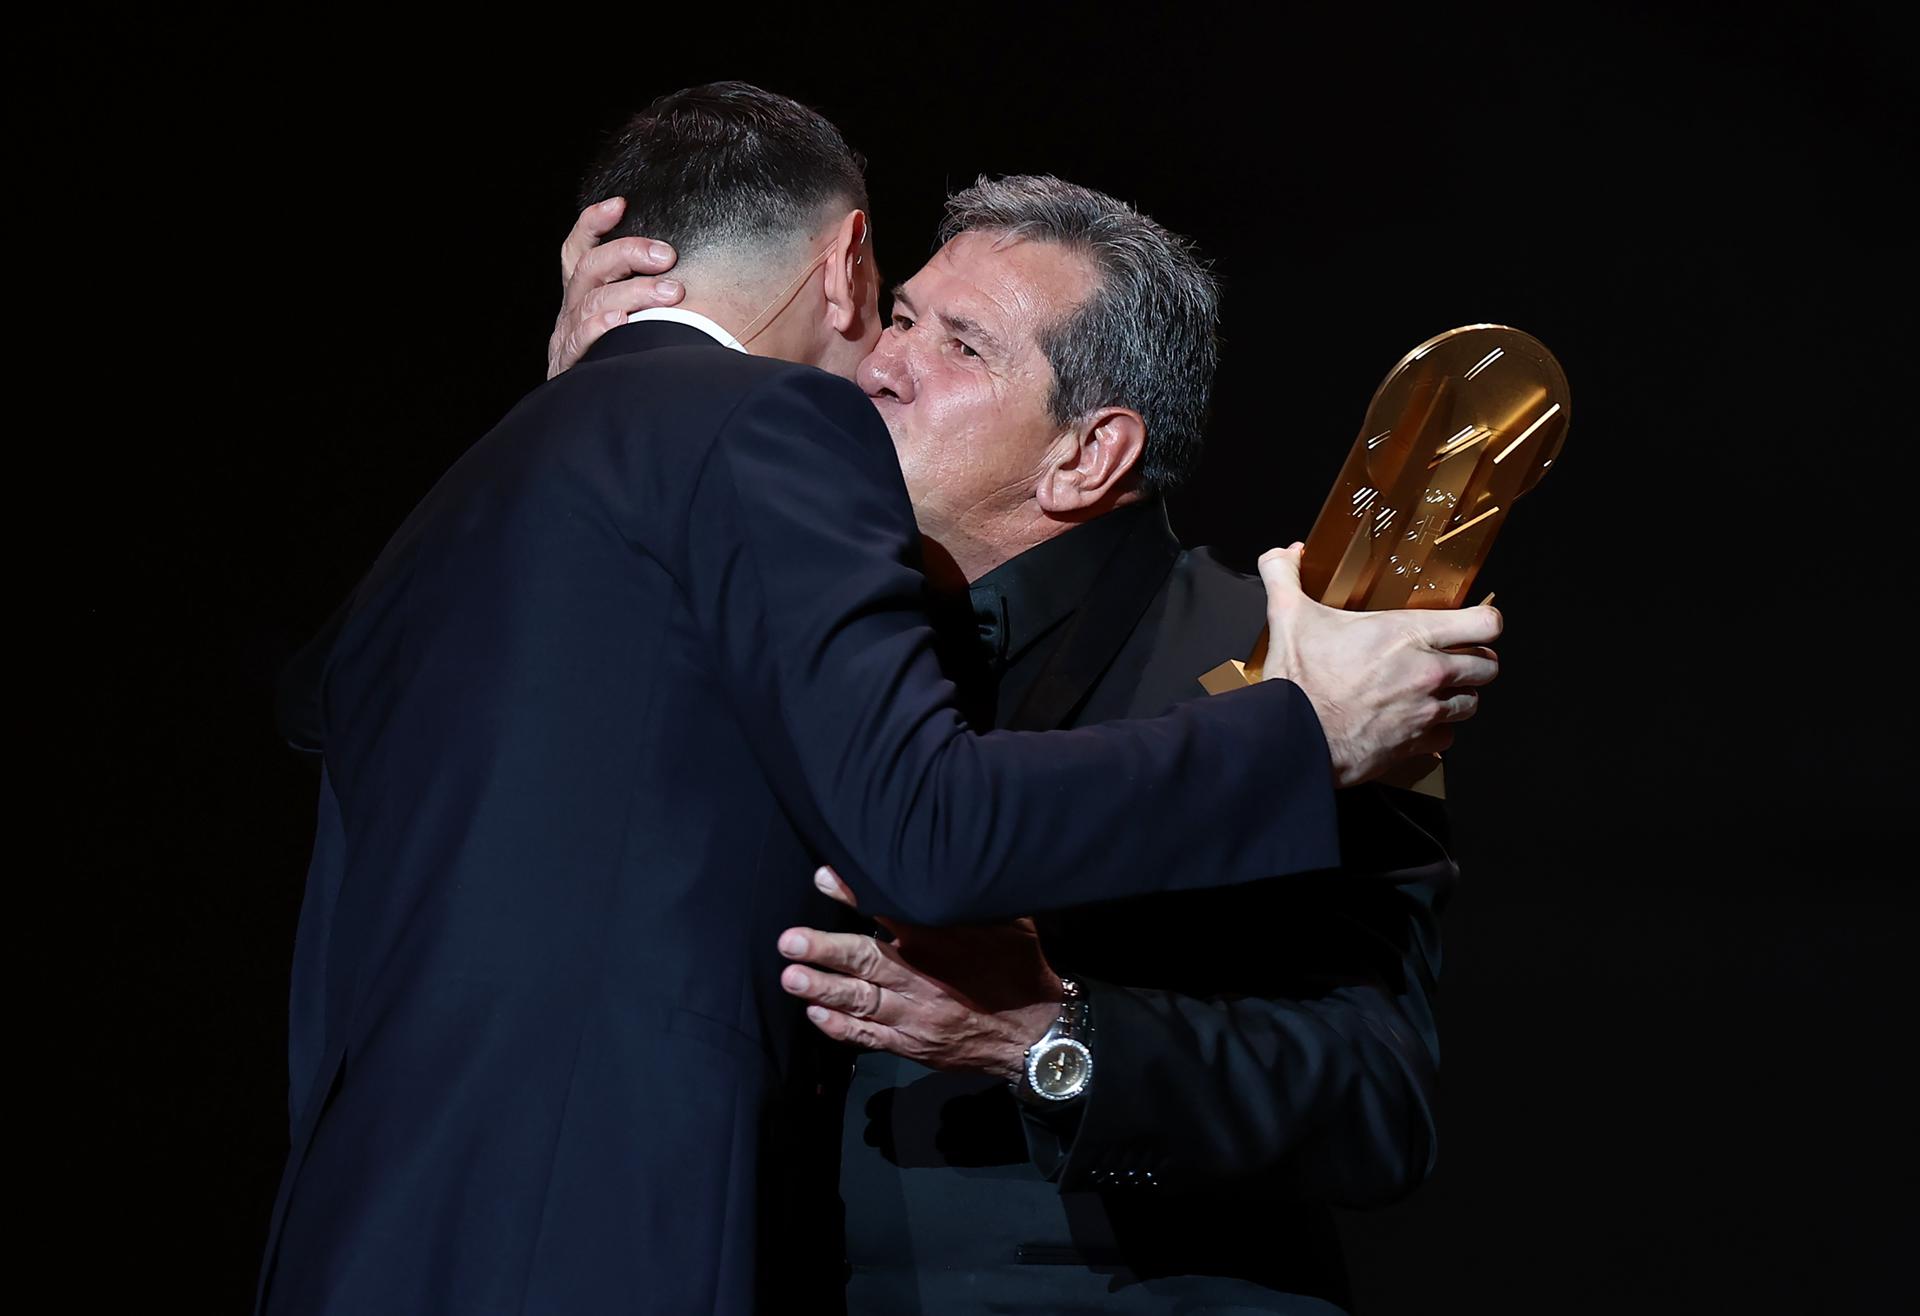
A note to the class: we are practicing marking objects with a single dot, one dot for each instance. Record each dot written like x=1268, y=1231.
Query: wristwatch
x=1060, y=1065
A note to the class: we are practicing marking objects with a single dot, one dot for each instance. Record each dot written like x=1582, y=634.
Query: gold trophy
x=1466, y=423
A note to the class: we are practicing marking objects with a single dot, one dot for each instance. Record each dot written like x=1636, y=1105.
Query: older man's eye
x=964, y=348
x=902, y=322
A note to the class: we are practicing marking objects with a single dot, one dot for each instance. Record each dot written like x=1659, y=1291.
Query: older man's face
x=960, y=379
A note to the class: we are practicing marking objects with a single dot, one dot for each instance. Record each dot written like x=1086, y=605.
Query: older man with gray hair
x=1146, y=1106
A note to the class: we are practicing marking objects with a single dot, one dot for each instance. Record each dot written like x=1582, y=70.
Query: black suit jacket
x=1259, y=1052
x=652, y=649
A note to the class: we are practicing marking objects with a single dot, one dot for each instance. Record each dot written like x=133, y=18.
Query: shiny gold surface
x=1464, y=426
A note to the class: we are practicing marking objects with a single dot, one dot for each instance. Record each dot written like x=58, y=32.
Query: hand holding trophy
x=1462, y=427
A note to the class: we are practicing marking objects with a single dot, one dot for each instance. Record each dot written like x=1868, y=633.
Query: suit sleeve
x=802, y=566
x=298, y=709
x=1322, y=1088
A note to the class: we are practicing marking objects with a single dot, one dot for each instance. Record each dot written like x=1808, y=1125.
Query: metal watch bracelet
x=1059, y=1066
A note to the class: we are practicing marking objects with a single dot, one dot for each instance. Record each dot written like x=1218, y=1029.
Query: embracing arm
x=802, y=566
x=1314, y=1077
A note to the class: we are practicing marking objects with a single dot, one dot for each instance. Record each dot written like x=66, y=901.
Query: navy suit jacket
x=651, y=650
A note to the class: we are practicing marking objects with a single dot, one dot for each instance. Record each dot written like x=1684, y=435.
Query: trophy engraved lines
x=1459, y=430
x=1465, y=425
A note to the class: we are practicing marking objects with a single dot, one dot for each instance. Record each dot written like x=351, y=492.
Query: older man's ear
x=1095, y=466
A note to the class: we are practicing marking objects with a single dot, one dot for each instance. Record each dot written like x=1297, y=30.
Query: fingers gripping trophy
x=1462, y=428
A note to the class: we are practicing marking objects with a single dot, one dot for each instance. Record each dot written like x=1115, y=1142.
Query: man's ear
x=850, y=274
x=1095, y=465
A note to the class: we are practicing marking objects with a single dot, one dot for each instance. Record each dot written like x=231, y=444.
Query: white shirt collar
x=694, y=318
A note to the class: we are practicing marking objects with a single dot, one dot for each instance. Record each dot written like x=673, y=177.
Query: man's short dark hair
x=1146, y=338
x=723, y=164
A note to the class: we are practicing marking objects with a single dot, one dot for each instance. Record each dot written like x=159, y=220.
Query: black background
x=1678, y=968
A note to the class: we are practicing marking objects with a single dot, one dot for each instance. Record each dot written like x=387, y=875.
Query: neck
x=723, y=314
x=784, y=340
x=979, y=543
x=975, y=549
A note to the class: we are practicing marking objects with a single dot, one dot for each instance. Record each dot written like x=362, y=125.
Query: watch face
x=1060, y=1069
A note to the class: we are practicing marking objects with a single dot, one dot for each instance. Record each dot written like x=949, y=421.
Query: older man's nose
x=885, y=372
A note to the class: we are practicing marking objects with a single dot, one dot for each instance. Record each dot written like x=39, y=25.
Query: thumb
x=594, y=223
x=601, y=219
x=1280, y=572
x=830, y=885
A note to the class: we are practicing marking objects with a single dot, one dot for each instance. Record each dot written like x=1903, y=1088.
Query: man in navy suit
x=652, y=645
x=1242, y=1058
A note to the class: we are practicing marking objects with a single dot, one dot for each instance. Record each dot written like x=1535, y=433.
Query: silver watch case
x=1059, y=1066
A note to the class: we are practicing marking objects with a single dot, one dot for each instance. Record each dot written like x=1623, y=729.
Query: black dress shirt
x=1255, y=1060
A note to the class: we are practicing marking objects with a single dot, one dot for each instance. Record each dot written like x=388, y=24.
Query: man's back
x=658, y=627
x=548, y=1058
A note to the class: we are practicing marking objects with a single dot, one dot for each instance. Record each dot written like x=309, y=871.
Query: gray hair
x=1147, y=336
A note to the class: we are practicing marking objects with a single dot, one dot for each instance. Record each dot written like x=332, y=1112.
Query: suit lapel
x=1126, y=584
x=1209, y=613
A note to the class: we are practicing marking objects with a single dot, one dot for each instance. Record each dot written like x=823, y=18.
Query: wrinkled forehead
x=1012, y=287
